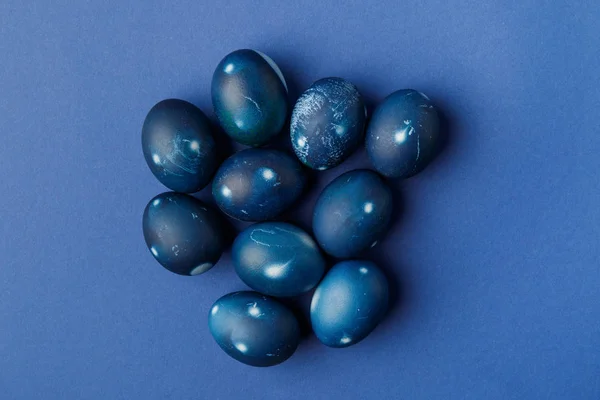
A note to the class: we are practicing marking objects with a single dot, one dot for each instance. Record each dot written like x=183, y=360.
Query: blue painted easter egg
x=352, y=213
x=178, y=145
x=249, y=96
x=349, y=303
x=277, y=259
x=403, y=135
x=254, y=329
x=258, y=184
x=182, y=233
x=327, y=123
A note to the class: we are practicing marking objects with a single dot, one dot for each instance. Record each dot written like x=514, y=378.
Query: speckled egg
x=178, y=145
x=277, y=259
x=349, y=303
x=327, y=123
x=249, y=96
x=258, y=184
x=182, y=233
x=352, y=213
x=254, y=329
x=403, y=135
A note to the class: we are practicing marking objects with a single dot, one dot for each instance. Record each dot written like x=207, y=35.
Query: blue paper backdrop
x=495, y=259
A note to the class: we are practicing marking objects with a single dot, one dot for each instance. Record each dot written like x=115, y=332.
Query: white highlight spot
x=241, y=347
x=400, y=136
x=368, y=207
x=340, y=130
x=239, y=123
x=229, y=68
x=254, y=310
x=194, y=145
x=201, y=268
x=321, y=168
x=215, y=309
x=154, y=251
x=156, y=158
x=363, y=270
x=301, y=141
x=374, y=244
x=276, y=270
x=226, y=191
x=268, y=173
x=156, y=202
x=345, y=340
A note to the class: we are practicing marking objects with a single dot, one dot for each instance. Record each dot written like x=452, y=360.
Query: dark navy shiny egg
x=254, y=329
x=178, y=145
x=349, y=303
x=258, y=184
x=182, y=234
x=249, y=96
x=352, y=213
x=403, y=135
x=277, y=259
x=327, y=123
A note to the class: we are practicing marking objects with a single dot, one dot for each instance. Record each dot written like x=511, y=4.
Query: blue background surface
x=495, y=258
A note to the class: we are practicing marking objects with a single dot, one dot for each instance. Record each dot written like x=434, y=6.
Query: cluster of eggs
x=274, y=258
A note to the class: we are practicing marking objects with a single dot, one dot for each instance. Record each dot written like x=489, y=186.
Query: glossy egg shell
x=327, y=123
x=277, y=259
x=182, y=233
x=178, y=145
x=258, y=184
x=349, y=303
x=254, y=329
x=249, y=96
x=403, y=135
x=352, y=213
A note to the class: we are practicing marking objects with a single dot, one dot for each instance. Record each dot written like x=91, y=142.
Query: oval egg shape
x=352, y=213
x=349, y=303
x=403, y=135
x=182, y=234
x=178, y=145
x=254, y=329
x=327, y=123
x=257, y=184
x=249, y=96
x=277, y=259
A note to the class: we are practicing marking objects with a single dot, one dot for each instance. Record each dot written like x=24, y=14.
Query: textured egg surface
x=182, y=233
x=258, y=184
x=249, y=96
x=349, y=303
x=254, y=329
x=178, y=145
x=327, y=123
x=277, y=259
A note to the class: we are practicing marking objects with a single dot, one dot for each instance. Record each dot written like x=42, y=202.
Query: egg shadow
x=300, y=306
x=399, y=299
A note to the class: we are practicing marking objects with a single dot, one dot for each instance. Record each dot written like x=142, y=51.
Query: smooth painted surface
x=254, y=329
x=403, y=135
x=349, y=303
x=277, y=259
x=183, y=234
x=249, y=95
x=353, y=213
x=258, y=184
x=496, y=252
